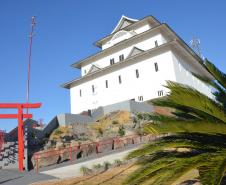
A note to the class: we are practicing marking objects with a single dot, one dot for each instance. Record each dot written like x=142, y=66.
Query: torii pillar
x=19, y=116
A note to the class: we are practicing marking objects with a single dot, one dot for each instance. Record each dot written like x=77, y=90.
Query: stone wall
x=9, y=156
x=84, y=150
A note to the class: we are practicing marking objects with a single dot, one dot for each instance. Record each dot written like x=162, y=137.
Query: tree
x=196, y=135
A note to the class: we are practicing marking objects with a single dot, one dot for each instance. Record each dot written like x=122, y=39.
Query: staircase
x=9, y=155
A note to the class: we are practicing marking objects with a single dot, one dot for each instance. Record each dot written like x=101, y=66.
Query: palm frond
x=181, y=126
x=166, y=169
x=193, y=141
x=181, y=166
x=149, y=168
x=208, y=81
x=219, y=75
x=221, y=97
x=189, y=110
x=213, y=169
x=193, y=99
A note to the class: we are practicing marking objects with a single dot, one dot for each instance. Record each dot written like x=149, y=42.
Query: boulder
x=103, y=146
x=59, y=144
x=45, y=159
x=136, y=140
x=64, y=155
x=145, y=139
x=118, y=144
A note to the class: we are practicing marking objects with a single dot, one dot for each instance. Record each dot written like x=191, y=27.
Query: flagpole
x=33, y=22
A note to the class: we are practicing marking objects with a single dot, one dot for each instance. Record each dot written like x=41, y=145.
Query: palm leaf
x=219, y=75
x=213, y=170
x=208, y=81
x=192, y=141
x=181, y=126
x=180, y=94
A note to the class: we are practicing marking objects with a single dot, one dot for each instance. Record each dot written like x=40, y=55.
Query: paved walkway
x=13, y=177
x=74, y=170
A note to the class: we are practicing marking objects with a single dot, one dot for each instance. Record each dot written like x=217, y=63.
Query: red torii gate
x=20, y=116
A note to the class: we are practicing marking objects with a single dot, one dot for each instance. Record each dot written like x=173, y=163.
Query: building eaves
x=176, y=42
x=100, y=41
x=78, y=64
x=189, y=49
x=68, y=84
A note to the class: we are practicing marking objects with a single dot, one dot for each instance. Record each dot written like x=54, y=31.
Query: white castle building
x=135, y=61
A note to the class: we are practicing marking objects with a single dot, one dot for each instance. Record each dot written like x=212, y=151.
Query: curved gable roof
x=126, y=23
x=123, y=22
x=94, y=68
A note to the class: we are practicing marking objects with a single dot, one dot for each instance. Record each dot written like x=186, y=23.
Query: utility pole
x=33, y=23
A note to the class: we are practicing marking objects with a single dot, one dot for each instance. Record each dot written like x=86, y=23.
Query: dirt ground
x=113, y=176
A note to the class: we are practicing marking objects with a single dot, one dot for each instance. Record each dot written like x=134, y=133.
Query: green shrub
x=115, y=122
x=121, y=131
x=100, y=131
x=97, y=166
x=118, y=162
x=107, y=165
x=58, y=131
x=85, y=170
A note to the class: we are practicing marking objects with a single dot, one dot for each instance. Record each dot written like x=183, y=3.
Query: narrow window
x=93, y=89
x=156, y=43
x=121, y=57
x=84, y=71
x=119, y=79
x=137, y=73
x=106, y=83
x=80, y=93
x=160, y=93
x=112, y=61
x=140, y=98
x=156, y=67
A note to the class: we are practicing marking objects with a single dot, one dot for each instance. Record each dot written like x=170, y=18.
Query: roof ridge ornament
x=120, y=24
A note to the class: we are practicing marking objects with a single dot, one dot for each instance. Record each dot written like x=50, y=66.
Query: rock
x=74, y=143
x=103, y=146
x=59, y=144
x=136, y=140
x=88, y=149
x=45, y=159
x=127, y=141
x=48, y=145
x=64, y=155
x=145, y=139
x=118, y=144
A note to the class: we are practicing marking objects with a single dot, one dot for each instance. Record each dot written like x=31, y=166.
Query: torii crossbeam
x=20, y=116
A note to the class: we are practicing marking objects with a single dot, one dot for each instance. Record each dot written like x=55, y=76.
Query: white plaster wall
x=184, y=75
x=144, y=45
x=142, y=28
x=118, y=37
x=129, y=34
x=147, y=85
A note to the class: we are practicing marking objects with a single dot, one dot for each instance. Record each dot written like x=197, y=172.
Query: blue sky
x=66, y=30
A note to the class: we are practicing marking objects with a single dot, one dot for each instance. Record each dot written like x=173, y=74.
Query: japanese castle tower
x=135, y=61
